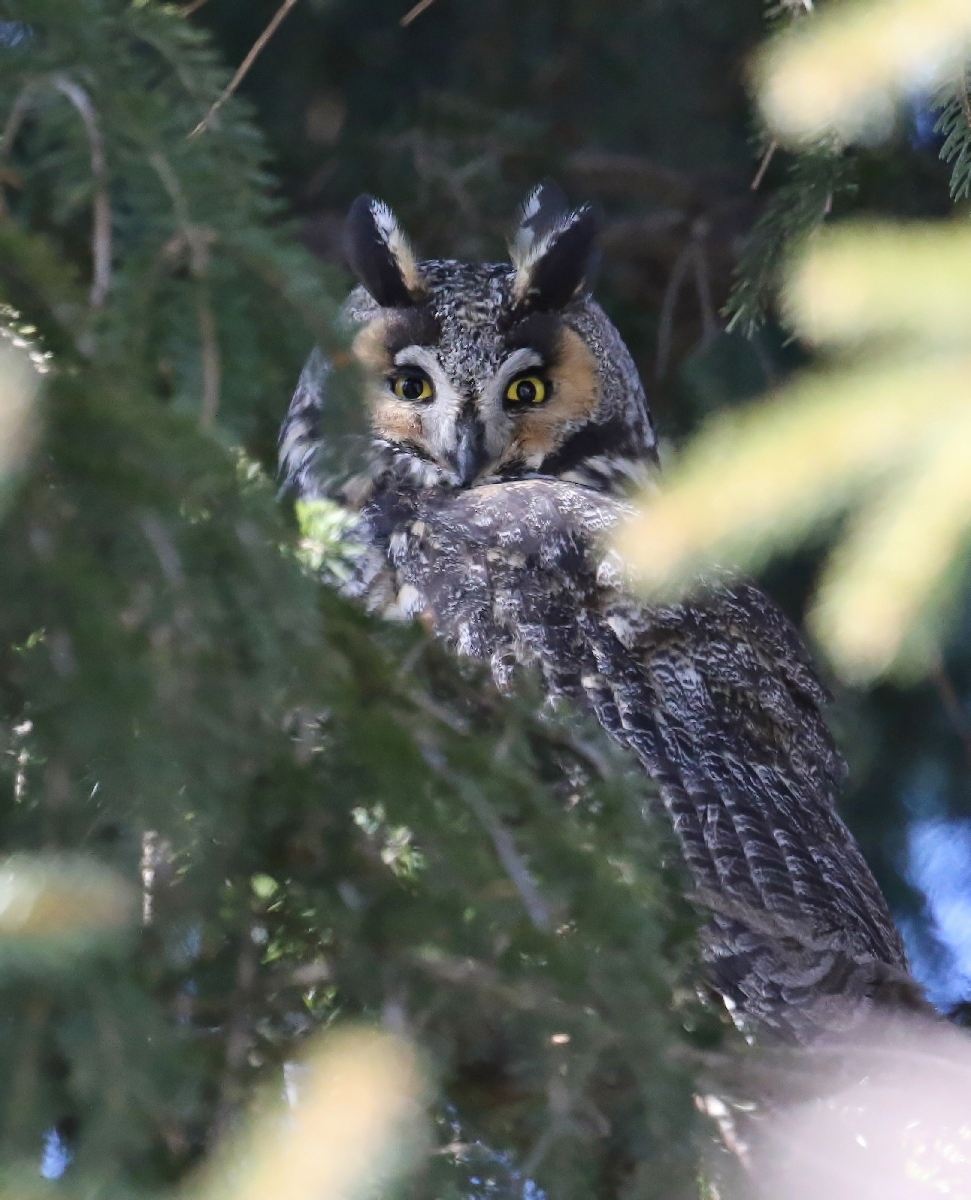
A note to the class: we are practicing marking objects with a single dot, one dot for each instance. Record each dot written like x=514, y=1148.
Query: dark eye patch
x=413, y=327
x=540, y=332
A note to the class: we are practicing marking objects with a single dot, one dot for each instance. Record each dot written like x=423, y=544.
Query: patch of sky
x=922, y=130
x=56, y=1157
x=13, y=33
x=939, y=948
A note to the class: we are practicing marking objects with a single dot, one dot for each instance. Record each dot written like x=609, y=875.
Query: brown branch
x=255, y=51
x=198, y=239
x=211, y=363
x=15, y=119
x=412, y=13
x=665, y=326
x=508, y=854
x=147, y=865
x=22, y=1075
x=101, y=217
x=710, y=327
x=767, y=158
x=12, y=126
x=238, y=1034
x=951, y=702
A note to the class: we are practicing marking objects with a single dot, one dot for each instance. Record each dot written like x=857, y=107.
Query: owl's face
x=477, y=373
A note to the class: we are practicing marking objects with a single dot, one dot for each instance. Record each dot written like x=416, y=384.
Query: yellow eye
x=412, y=386
x=527, y=389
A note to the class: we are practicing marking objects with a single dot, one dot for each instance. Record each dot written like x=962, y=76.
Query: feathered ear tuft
x=542, y=209
x=380, y=254
x=553, y=250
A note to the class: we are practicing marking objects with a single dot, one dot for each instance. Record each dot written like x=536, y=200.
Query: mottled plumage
x=489, y=519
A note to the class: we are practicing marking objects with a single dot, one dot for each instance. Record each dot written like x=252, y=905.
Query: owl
x=508, y=427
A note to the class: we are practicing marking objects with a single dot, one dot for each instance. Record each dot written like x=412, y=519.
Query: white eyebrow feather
x=418, y=356
x=520, y=360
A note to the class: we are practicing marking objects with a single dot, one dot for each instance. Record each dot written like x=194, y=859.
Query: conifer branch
x=767, y=157
x=954, y=124
x=509, y=856
x=101, y=204
x=11, y=127
x=800, y=205
x=197, y=240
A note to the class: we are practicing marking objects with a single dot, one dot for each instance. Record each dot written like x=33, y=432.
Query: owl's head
x=486, y=372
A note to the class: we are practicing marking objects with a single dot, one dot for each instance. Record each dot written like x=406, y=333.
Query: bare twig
x=557, y=1128
x=606, y=173
x=197, y=239
x=710, y=327
x=764, y=359
x=239, y=1033
x=23, y=1075
x=15, y=118
x=255, y=51
x=193, y=7
x=665, y=326
x=767, y=158
x=156, y=870
x=414, y=12
x=211, y=362
x=951, y=703
x=509, y=856
x=12, y=126
x=147, y=871
x=101, y=220
x=22, y=758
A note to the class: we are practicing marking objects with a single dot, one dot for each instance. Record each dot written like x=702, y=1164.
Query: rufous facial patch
x=392, y=419
x=575, y=394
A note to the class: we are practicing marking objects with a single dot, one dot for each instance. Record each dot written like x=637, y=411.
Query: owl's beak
x=470, y=454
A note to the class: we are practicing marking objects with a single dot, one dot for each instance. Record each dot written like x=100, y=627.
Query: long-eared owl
x=508, y=425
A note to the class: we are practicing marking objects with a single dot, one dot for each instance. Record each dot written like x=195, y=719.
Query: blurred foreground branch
x=884, y=433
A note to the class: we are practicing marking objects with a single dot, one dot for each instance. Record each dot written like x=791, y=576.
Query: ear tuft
x=553, y=250
x=545, y=205
x=380, y=254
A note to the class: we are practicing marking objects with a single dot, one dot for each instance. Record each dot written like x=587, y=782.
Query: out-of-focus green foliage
x=19, y=379
x=356, y=1122
x=894, y=428
x=325, y=818
x=53, y=907
x=889, y=436
x=838, y=76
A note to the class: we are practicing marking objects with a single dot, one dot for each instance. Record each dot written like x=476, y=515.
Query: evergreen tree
x=324, y=818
